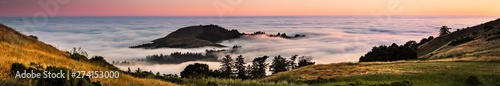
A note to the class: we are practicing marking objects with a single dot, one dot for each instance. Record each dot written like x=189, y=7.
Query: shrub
x=32, y=36
x=196, y=70
x=473, y=81
x=15, y=67
x=461, y=40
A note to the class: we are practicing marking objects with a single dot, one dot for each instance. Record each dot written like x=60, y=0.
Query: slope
x=16, y=47
x=477, y=41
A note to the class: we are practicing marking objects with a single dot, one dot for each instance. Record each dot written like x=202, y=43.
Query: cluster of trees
x=81, y=55
x=174, y=78
x=391, y=53
x=282, y=35
x=425, y=40
x=177, y=57
x=78, y=54
x=235, y=68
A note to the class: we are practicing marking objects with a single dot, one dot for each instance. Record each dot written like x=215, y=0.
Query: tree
x=227, y=66
x=157, y=73
x=411, y=44
x=444, y=30
x=292, y=64
x=305, y=61
x=258, y=68
x=391, y=53
x=129, y=71
x=196, y=70
x=279, y=64
x=240, y=67
x=138, y=70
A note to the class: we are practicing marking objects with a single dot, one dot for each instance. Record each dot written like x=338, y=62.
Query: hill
x=476, y=41
x=192, y=37
x=18, y=48
x=462, y=57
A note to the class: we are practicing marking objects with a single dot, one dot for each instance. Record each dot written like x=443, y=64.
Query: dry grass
x=336, y=70
x=15, y=47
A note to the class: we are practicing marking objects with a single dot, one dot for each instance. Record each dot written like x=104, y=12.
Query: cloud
x=328, y=40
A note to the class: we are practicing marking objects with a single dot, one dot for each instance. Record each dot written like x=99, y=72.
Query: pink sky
x=252, y=7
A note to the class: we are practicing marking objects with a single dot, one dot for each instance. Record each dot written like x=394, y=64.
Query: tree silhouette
x=129, y=71
x=240, y=67
x=227, y=66
x=279, y=64
x=259, y=66
x=196, y=70
x=391, y=53
x=292, y=64
x=444, y=30
x=305, y=61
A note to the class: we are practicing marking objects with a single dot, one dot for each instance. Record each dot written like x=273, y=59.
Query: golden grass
x=15, y=47
x=335, y=70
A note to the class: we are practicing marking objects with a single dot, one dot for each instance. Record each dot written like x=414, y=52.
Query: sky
x=246, y=7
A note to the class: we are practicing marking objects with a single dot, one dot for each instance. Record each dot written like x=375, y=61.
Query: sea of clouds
x=330, y=39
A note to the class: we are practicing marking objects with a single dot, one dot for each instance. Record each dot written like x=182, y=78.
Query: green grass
x=236, y=82
x=420, y=73
x=433, y=74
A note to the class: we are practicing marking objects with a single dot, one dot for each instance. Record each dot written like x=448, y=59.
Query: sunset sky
x=250, y=7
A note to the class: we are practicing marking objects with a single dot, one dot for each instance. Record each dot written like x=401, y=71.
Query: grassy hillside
x=16, y=47
x=448, y=60
x=484, y=41
x=420, y=73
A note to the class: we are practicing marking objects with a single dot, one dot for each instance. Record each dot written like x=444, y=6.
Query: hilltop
x=192, y=37
x=201, y=36
x=19, y=48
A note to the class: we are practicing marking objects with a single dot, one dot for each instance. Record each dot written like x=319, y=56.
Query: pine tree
x=240, y=67
x=292, y=64
x=227, y=66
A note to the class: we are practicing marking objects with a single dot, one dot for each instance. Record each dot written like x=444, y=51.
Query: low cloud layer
x=328, y=40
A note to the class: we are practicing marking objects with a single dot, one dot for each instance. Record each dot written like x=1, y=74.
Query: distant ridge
x=192, y=37
x=201, y=36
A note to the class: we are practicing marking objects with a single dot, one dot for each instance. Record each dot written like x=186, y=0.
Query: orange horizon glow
x=255, y=7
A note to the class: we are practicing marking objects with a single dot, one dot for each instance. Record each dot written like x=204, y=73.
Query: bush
x=16, y=67
x=473, y=81
x=32, y=36
x=196, y=70
x=461, y=40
